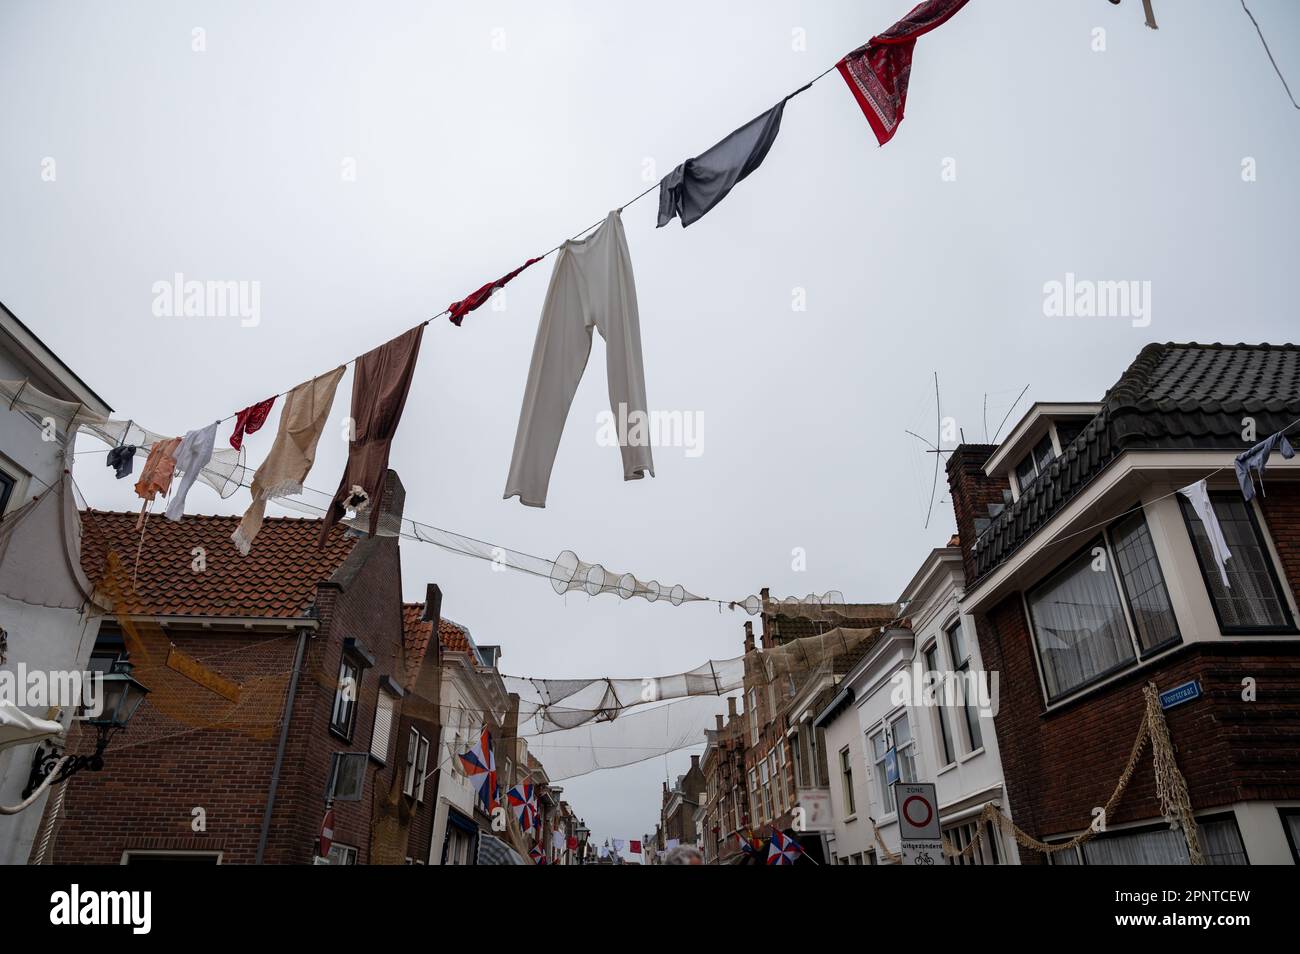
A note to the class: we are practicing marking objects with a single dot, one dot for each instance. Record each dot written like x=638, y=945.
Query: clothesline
x=551, y=251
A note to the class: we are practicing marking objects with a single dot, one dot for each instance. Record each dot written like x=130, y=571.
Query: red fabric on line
x=459, y=309
x=250, y=421
x=877, y=73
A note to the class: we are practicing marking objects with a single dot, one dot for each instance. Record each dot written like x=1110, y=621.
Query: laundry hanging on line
x=1255, y=460
x=302, y=418
x=1198, y=496
x=156, y=475
x=591, y=286
x=122, y=460
x=878, y=72
x=459, y=309
x=380, y=383
x=698, y=184
x=192, y=456
x=250, y=421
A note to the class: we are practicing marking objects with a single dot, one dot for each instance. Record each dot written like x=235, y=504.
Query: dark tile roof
x=1172, y=397
x=277, y=579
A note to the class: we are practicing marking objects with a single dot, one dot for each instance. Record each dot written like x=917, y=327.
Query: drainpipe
x=279, y=751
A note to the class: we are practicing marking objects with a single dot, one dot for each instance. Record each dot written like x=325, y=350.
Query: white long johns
x=592, y=285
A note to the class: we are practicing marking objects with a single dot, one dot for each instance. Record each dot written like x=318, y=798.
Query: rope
x=1171, y=792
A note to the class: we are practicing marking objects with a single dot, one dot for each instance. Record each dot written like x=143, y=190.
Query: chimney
x=731, y=707
x=432, y=605
x=749, y=636
x=974, y=497
x=695, y=762
x=391, y=506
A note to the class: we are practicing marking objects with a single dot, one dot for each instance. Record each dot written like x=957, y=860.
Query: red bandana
x=250, y=420
x=459, y=309
x=877, y=73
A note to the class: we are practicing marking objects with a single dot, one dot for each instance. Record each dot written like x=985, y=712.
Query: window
x=1160, y=845
x=342, y=854
x=778, y=777
x=1144, y=584
x=1078, y=623
x=961, y=666
x=7, y=484
x=347, y=777
x=765, y=783
x=1035, y=462
x=754, y=803
x=1067, y=431
x=751, y=710
x=904, y=749
x=344, y=715
x=933, y=665
x=846, y=774
x=171, y=858
x=417, y=763
x=383, y=731
x=1291, y=823
x=1253, y=601
x=960, y=836
x=879, y=746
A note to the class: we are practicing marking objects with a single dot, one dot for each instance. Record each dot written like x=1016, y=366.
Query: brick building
x=678, y=804
x=783, y=755
x=1088, y=576
x=279, y=681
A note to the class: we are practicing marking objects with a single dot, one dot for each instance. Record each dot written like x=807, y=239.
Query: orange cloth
x=156, y=477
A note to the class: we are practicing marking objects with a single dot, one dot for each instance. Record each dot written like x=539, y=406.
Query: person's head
x=684, y=855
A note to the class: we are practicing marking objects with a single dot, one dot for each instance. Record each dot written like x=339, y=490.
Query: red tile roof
x=417, y=631
x=277, y=579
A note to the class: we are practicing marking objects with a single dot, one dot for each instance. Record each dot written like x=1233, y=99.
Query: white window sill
x=970, y=755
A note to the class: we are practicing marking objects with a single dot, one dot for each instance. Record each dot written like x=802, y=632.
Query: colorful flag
x=782, y=850
x=634, y=846
x=480, y=765
x=538, y=856
x=523, y=799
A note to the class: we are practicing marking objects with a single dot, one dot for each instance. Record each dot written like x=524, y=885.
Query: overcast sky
x=483, y=134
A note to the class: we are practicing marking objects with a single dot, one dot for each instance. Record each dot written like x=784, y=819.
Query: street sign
x=1180, y=694
x=918, y=823
x=891, y=765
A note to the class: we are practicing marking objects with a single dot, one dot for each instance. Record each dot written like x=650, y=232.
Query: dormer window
x=1035, y=462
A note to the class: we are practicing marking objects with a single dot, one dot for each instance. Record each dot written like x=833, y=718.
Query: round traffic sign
x=922, y=805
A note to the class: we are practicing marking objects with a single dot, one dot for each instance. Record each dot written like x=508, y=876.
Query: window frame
x=946, y=747
x=8, y=485
x=1284, y=812
x=879, y=772
x=1126, y=598
x=1261, y=541
x=1112, y=567
x=846, y=782
x=346, y=662
x=389, y=700
x=331, y=783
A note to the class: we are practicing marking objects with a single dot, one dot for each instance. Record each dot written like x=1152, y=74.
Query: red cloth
x=573, y=843
x=877, y=73
x=459, y=309
x=635, y=846
x=250, y=421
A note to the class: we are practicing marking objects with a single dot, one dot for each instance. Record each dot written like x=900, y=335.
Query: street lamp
x=583, y=832
x=122, y=695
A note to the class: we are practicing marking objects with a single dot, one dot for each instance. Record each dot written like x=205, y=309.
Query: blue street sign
x=891, y=765
x=1180, y=694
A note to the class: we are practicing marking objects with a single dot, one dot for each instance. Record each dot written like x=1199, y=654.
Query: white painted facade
x=951, y=746
x=46, y=638
x=469, y=690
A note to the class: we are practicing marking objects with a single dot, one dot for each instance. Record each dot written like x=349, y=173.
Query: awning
x=494, y=851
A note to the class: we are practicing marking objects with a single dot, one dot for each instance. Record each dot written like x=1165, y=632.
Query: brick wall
x=1058, y=767
x=972, y=493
